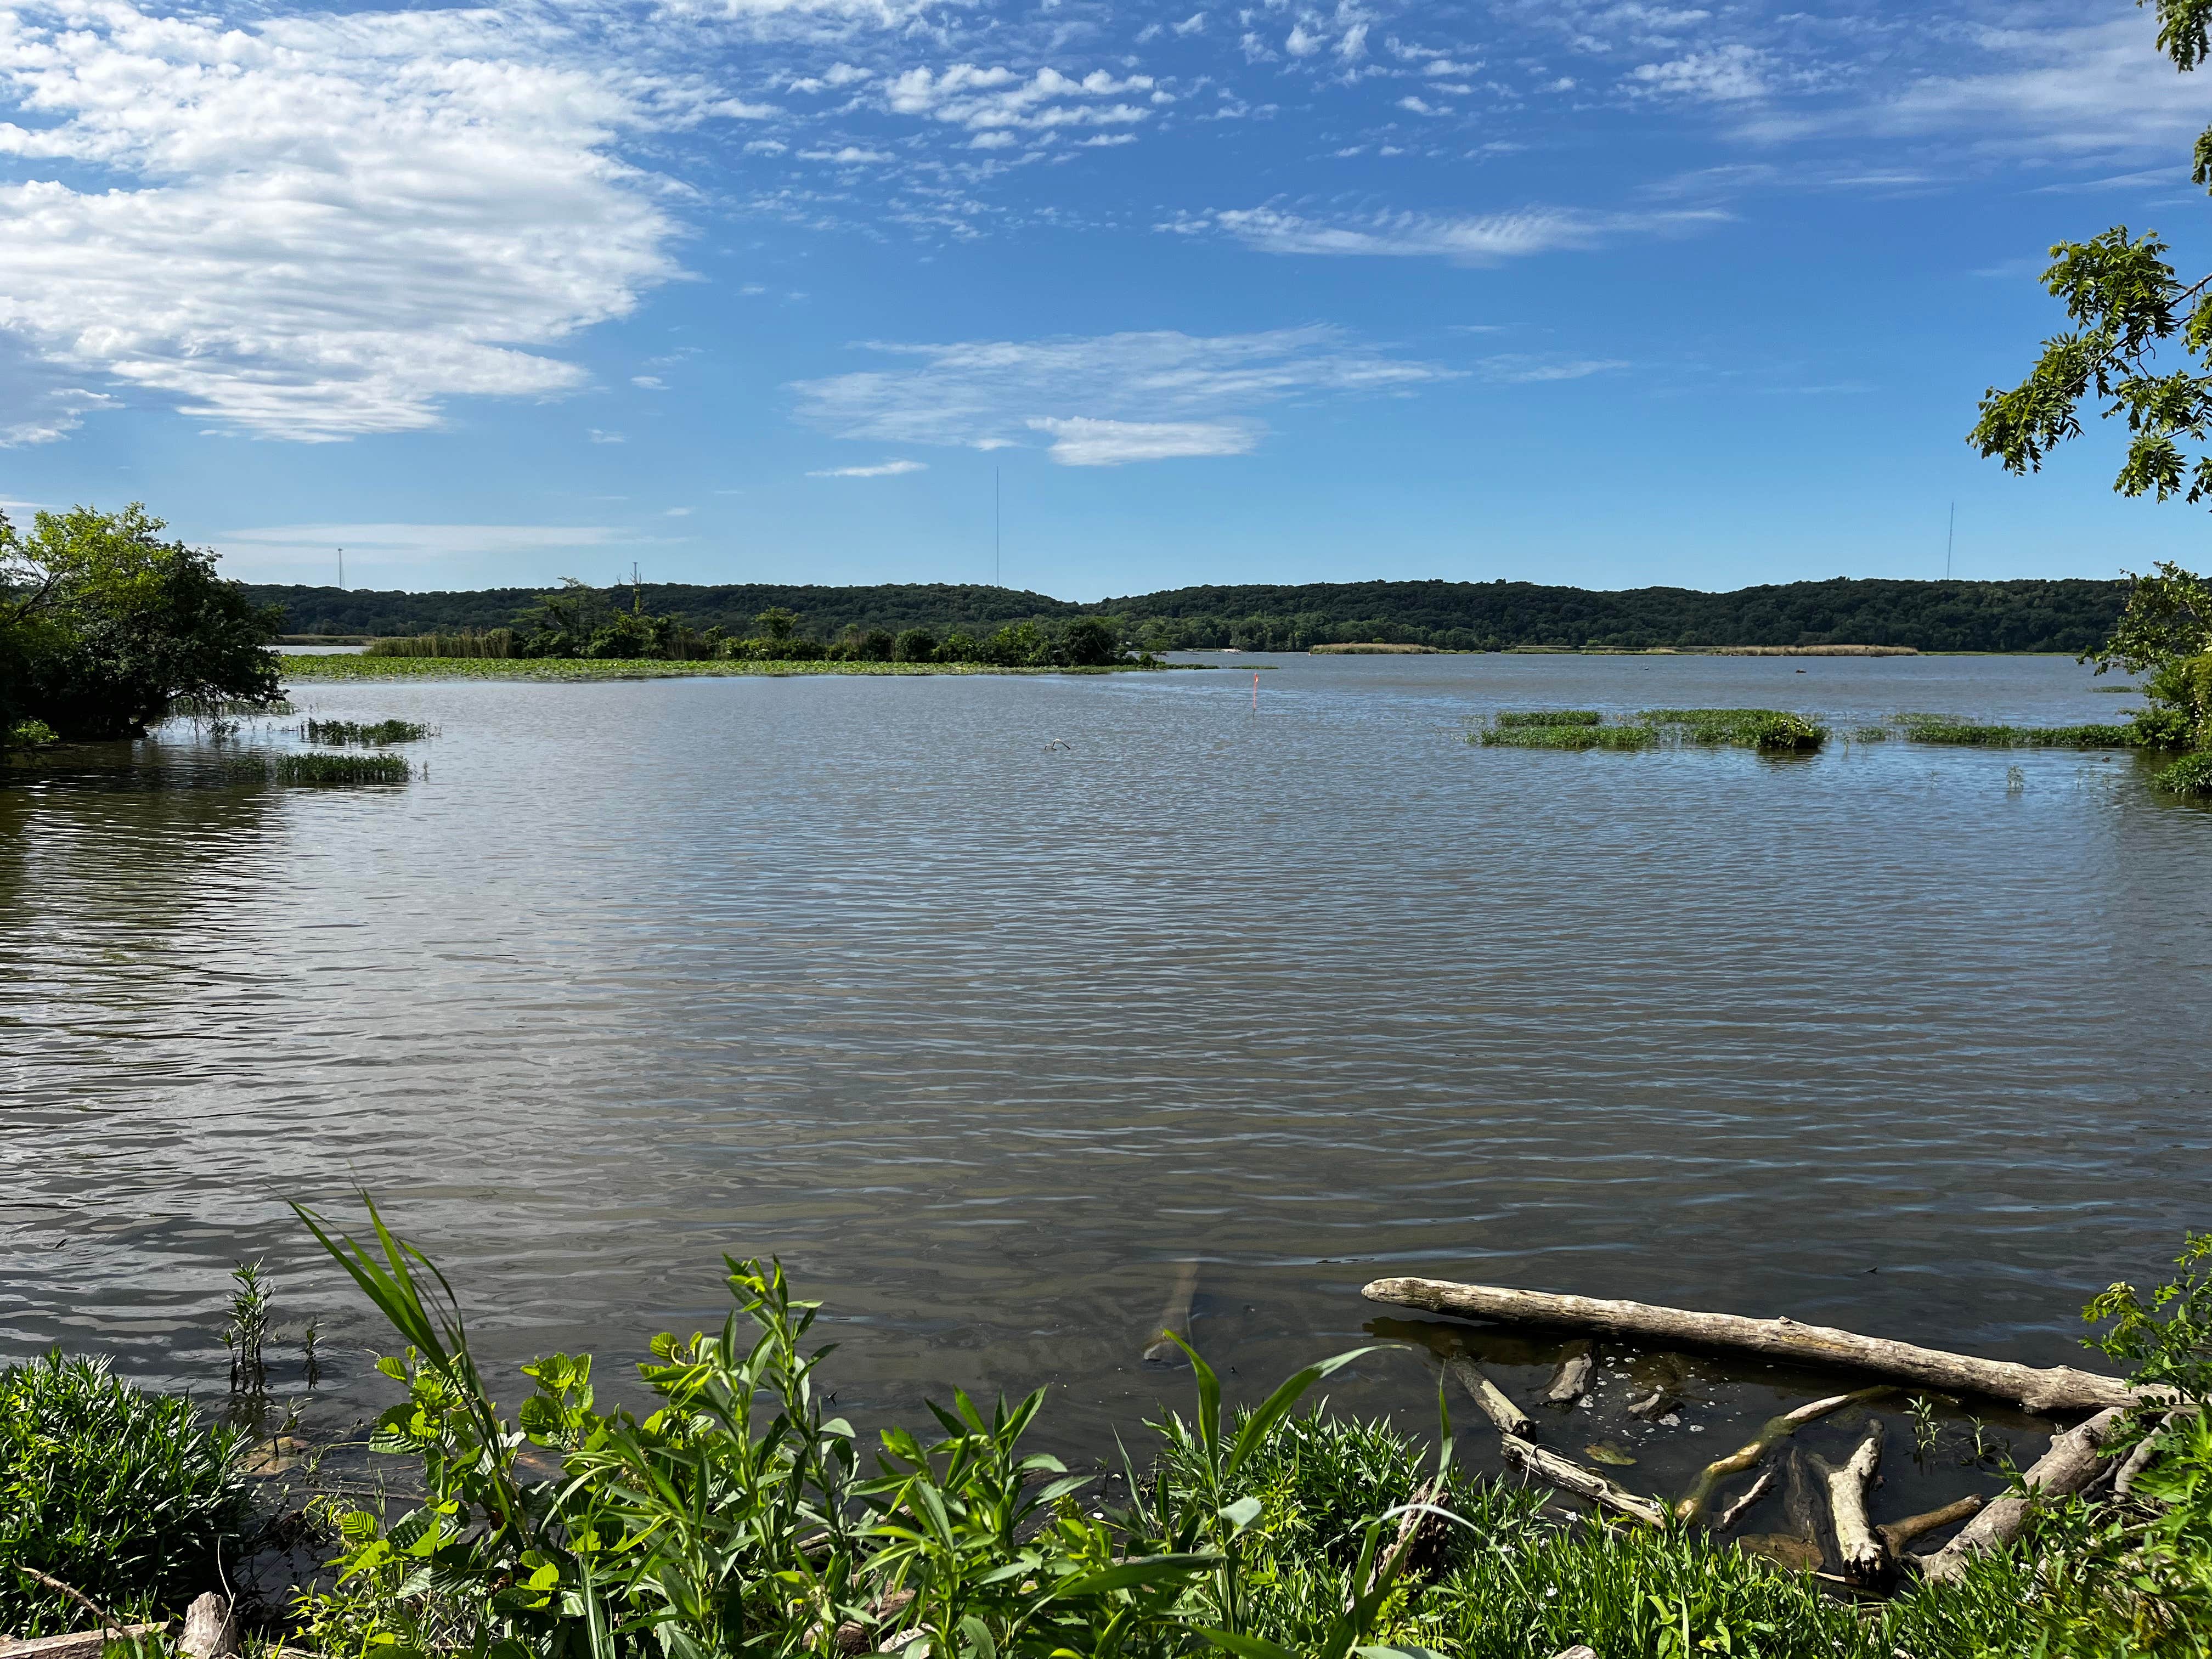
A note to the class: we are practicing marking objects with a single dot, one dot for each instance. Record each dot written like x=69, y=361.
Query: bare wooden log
x=1577, y=1652
x=1175, y=1320
x=1775, y=1430
x=1569, y=1476
x=1508, y=1417
x=2054, y=1389
x=1572, y=1381
x=80, y=1644
x=1865, y=1557
x=2139, y=1459
x=1743, y=1505
x=1898, y=1533
x=2073, y=1461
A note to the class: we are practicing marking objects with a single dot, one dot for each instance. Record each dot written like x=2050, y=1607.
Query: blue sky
x=1607, y=293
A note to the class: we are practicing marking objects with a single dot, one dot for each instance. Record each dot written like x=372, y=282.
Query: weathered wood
x=1654, y=1406
x=1743, y=1505
x=1572, y=1381
x=1775, y=1430
x=2073, y=1461
x=2139, y=1459
x=2054, y=1389
x=1898, y=1533
x=1175, y=1320
x=1865, y=1557
x=1569, y=1476
x=1508, y=1417
x=1577, y=1652
x=210, y=1632
x=78, y=1643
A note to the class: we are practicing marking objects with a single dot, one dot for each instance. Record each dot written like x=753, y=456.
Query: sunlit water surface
x=983, y=1001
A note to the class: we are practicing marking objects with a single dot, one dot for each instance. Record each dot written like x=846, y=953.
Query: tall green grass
x=338, y=768
x=1944, y=728
x=379, y=732
x=1547, y=717
x=1566, y=737
x=492, y=642
x=1771, y=729
x=124, y=1496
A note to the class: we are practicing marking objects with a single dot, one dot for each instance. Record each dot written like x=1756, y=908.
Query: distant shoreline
x=581, y=669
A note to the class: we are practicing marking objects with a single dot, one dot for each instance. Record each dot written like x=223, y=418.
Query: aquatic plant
x=1771, y=729
x=28, y=734
x=2190, y=775
x=1565, y=737
x=1547, y=717
x=248, y=1331
x=338, y=768
x=393, y=730
x=494, y=642
x=124, y=1496
x=297, y=670
x=1944, y=728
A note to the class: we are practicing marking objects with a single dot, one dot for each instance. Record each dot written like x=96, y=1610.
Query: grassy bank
x=296, y=670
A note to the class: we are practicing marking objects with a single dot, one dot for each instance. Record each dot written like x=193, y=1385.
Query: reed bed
x=1773, y=730
x=1944, y=728
x=336, y=768
x=1547, y=717
x=492, y=642
x=379, y=732
x=298, y=669
x=1566, y=737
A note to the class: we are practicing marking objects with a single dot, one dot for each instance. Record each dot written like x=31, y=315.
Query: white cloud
x=53, y=416
x=848, y=155
x=317, y=226
x=600, y=437
x=1302, y=42
x=1080, y=441
x=1481, y=239
x=1725, y=75
x=1515, y=370
x=1419, y=107
x=1193, y=24
x=886, y=470
x=648, y=382
x=1113, y=393
x=968, y=95
x=676, y=512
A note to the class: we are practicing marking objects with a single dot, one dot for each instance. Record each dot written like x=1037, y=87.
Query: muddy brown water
x=985, y=1002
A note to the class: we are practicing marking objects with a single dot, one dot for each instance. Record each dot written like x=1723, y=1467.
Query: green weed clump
x=2191, y=775
x=494, y=642
x=356, y=731
x=1548, y=717
x=124, y=1496
x=1566, y=737
x=28, y=734
x=1944, y=728
x=340, y=769
x=1773, y=730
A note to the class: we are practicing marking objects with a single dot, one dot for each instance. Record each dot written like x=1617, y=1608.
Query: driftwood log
x=1775, y=1432
x=2051, y=1390
x=1743, y=1505
x=1569, y=1476
x=2075, y=1459
x=1898, y=1533
x=82, y=1643
x=210, y=1631
x=1864, y=1556
x=2139, y=1459
x=1508, y=1417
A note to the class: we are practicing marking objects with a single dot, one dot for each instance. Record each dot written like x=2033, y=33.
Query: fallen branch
x=100, y=1616
x=1771, y=1434
x=2073, y=1461
x=1865, y=1557
x=1572, y=1381
x=1569, y=1476
x=2139, y=1459
x=1508, y=1417
x=2056, y=1389
x=1898, y=1533
x=1742, y=1506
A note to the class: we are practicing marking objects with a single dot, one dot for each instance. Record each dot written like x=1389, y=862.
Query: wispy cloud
x=1131, y=396
x=1083, y=441
x=1479, y=239
x=882, y=469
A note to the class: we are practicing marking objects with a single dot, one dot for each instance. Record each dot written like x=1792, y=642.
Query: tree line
x=2067, y=615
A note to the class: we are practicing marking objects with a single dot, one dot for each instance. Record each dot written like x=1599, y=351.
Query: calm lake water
x=982, y=1034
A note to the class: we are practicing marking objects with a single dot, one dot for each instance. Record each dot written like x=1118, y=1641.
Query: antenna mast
x=995, y=582
x=341, y=569
x=1949, y=535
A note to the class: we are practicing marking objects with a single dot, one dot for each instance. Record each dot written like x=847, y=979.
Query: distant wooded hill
x=1935, y=615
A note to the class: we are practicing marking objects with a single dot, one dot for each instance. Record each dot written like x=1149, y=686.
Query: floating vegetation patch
x=220, y=708
x=1871, y=734
x=1566, y=737
x=2191, y=775
x=1548, y=717
x=338, y=769
x=1773, y=730
x=1945, y=728
x=358, y=731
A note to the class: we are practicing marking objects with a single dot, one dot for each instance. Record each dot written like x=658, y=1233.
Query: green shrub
x=357, y=731
x=29, y=734
x=2190, y=775
x=1771, y=729
x=1944, y=728
x=126, y=1496
x=1548, y=717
